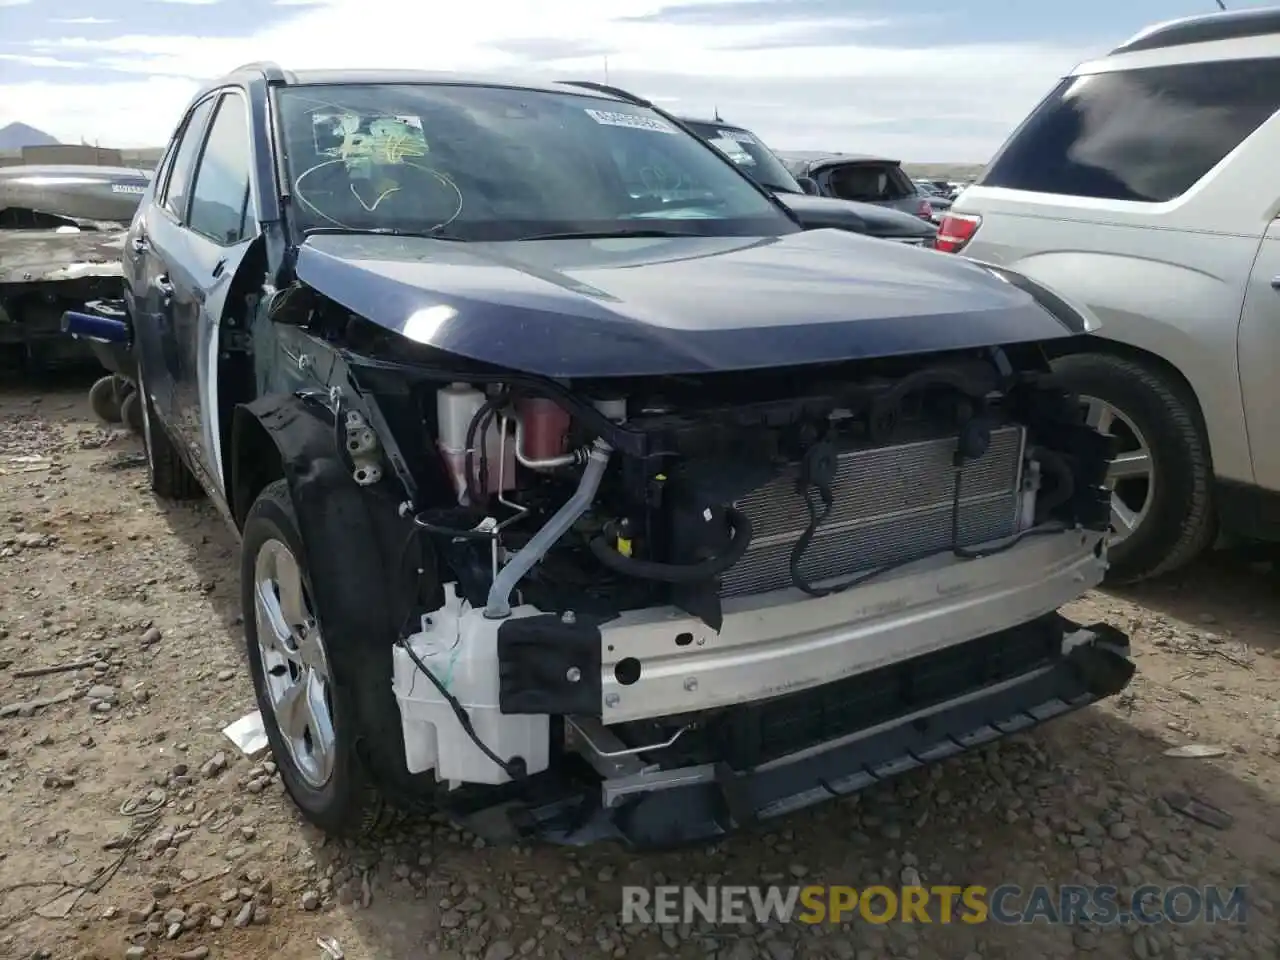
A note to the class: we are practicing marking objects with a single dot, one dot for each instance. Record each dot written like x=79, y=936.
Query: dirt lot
x=128, y=744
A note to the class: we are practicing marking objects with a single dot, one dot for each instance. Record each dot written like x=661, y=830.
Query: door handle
x=1275, y=283
x=165, y=288
x=139, y=244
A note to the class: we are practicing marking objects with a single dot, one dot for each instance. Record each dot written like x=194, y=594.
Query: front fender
x=1187, y=318
x=1075, y=316
x=344, y=527
x=351, y=539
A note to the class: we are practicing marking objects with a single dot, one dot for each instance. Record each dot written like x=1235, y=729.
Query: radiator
x=890, y=505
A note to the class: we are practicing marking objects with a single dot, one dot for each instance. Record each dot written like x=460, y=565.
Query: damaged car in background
x=62, y=231
x=577, y=511
x=801, y=196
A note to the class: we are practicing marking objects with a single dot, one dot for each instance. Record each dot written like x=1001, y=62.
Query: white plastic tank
x=456, y=406
x=460, y=648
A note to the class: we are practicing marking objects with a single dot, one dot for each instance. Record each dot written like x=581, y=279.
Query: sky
x=920, y=80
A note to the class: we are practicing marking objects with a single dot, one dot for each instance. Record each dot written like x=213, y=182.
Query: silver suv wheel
x=295, y=664
x=1132, y=477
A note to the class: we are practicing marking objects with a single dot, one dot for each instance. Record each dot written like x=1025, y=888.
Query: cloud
x=737, y=12
x=81, y=21
x=36, y=60
x=778, y=66
x=543, y=49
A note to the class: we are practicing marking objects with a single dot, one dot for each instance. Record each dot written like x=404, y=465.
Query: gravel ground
x=142, y=596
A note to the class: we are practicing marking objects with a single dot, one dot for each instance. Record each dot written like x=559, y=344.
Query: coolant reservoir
x=460, y=648
x=456, y=406
x=545, y=427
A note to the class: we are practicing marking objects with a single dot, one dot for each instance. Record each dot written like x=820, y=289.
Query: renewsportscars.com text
x=1006, y=904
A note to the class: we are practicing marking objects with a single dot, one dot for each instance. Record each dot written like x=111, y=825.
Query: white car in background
x=1146, y=186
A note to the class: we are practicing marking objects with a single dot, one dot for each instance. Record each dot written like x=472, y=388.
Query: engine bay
x=600, y=497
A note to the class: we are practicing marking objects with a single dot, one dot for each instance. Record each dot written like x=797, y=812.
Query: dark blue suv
x=581, y=492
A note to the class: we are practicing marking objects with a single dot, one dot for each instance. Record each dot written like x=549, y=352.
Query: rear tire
x=171, y=478
x=331, y=786
x=1176, y=522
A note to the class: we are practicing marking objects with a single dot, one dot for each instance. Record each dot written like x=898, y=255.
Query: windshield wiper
x=776, y=188
x=622, y=232
x=380, y=232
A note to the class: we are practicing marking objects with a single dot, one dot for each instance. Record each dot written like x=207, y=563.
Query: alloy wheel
x=295, y=665
x=1132, y=476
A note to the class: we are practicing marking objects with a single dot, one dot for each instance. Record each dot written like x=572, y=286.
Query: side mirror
x=809, y=186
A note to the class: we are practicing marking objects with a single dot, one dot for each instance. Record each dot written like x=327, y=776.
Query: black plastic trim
x=1247, y=510
x=549, y=664
x=702, y=812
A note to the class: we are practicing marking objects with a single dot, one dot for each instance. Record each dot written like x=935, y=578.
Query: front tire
x=1162, y=507
x=305, y=703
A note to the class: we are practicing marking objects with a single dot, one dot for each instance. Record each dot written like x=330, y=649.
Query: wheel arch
x=1089, y=343
x=350, y=539
x=255, y=462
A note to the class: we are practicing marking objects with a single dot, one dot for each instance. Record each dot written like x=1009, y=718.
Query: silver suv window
x=1146, y=135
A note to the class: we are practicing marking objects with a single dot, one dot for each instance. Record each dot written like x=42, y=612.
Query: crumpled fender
x=351, y=538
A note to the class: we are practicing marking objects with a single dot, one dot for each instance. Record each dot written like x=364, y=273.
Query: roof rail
x=611, y=91
x=267, y=68
x=1230, y=25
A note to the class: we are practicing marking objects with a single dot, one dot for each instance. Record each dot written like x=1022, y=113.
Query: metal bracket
x=364, y=449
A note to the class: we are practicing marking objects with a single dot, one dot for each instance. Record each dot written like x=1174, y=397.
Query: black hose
x=679, y=572
x=967, y=553
x=468, y=460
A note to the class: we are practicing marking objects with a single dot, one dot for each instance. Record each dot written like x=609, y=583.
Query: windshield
x=471, y=162
x=751, y=156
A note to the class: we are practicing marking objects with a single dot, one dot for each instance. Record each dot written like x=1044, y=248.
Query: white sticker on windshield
x=733, y=150
x=609, y=119
x=739, y=135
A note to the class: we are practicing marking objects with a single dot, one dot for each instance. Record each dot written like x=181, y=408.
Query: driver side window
x=177, y=188
x=220, y=197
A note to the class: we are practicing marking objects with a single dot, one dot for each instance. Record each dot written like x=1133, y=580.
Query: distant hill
x=14, y=136
x=945, y=171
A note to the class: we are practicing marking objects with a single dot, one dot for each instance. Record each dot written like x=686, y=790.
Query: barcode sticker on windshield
x=739, y=135
x=655, y=124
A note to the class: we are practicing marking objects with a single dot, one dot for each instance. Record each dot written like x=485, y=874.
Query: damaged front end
x=659, y=607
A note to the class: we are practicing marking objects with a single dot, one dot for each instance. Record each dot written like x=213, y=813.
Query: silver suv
x=1145, y=186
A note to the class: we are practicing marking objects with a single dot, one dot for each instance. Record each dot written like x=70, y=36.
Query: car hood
x=875, y=221
x=50, y=254
x=639, y=306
